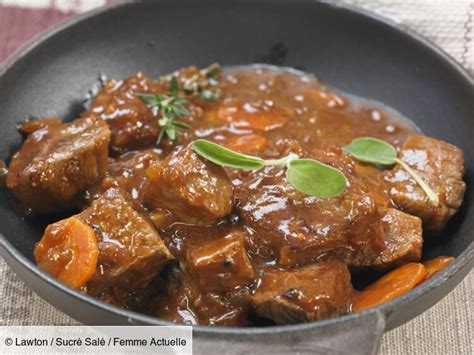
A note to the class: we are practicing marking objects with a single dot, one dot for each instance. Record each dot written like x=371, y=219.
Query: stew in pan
x=235, y=197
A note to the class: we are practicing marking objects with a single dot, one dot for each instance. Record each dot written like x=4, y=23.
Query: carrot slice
x=437, y=264
x=246, y=143
x=390, y=286
x=69, y=251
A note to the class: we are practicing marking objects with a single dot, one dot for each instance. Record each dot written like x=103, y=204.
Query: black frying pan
x=347, y=48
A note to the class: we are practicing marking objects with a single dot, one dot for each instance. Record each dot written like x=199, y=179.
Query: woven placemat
x=447, y=328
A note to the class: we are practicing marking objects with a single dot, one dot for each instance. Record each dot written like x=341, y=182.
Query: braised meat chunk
x=318, y=291
x=222, y=263
x=193, y=189
x=57, y=163
x=184, y=301
x=130, y=169
x=441, y=166
x=299, y=228
x=131, y=252
x=402, y=234
x=131, y=121
x=128, y=173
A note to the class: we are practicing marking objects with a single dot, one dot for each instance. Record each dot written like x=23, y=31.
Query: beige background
x=447, y=328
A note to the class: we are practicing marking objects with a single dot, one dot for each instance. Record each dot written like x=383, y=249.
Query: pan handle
x=357, y=334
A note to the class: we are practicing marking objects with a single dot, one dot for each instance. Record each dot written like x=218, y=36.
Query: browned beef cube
x=127, y=172
x=193, y=189
x=221, y=263
x=318, y=291
x=131, y=252
x=376, y=185
x=295, y=228
x=131, y=121
x=441, y=165
x=184, y=301
x=57, y=163
x=134, y=125
x=403, y=238
x=130, y=169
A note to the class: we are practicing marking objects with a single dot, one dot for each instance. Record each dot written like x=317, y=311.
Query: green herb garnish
x=212, y=70
x=171, y=105
x=315, y=178
x=198, y=84
x=376, y=151
x=174, y=86
x=306, y=175
x=209, y=95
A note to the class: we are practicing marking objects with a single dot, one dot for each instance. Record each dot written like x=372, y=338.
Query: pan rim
x=464, y=260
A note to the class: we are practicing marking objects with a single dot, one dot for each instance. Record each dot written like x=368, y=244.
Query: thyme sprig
x=172, y=105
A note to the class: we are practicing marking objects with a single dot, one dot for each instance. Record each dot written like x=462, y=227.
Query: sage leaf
x=315, y=179
x=376, y=151
x=225, y=157
x=372, y=150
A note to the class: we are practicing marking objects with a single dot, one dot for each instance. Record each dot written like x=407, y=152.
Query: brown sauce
x=299, y=108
